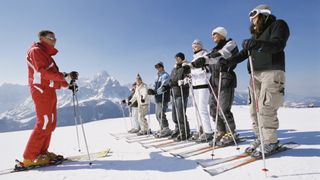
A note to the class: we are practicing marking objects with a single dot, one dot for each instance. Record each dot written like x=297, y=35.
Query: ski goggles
x=254, y=13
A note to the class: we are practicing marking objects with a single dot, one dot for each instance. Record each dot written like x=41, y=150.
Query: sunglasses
x=51, y=38
x=254, y=13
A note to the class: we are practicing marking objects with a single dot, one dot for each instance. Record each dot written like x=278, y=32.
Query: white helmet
x=220, y=30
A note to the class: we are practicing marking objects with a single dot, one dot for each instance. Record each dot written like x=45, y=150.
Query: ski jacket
x=162, y=82
x=225, y=49
x=200, y=75
x=43, y=72
x=135, y=103
x=140, y=93
x=268, y=49
x=179, y=72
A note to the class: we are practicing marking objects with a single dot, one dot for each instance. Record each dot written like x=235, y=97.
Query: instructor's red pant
x=46, y=120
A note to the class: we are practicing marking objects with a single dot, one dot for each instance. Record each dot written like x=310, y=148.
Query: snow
x=132, y=161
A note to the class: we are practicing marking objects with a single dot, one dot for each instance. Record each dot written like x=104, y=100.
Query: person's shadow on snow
x=156, y=162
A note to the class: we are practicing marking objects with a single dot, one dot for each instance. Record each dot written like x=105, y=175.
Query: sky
x=126, y=37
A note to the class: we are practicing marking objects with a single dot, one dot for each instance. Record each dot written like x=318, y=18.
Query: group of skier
x=210, y=76
x=211, y=81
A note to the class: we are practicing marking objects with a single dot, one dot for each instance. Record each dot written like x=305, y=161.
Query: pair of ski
x=201, y=150
x=240, y=160
x=84, y=157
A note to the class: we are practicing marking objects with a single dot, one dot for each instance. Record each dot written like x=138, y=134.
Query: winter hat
x=159, y=64
x=180, y=55
x=220, y=30
x=139, y=77
x=260, y=9
x=197, y=42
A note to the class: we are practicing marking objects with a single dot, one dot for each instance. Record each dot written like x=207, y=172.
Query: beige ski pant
x=270, y=93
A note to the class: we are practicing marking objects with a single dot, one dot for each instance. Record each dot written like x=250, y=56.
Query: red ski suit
x=44, y=79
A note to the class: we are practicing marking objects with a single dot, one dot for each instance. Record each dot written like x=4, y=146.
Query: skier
x=201, y=94
x=180, y=92
x=134, y=112
x=162, y=97
x=44, y=78
x=142, y=97
x=269, y=38
x=225, y=48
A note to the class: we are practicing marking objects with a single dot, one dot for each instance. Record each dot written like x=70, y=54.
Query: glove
x=160, y=90
x=200, y=62
x=142, y=100
x=248, y=44
x=123, y=101
x=186, y=80
x=129, y=103
x=181, y=82
x=186, y=63
x=73, y=75
x=73, y=86
x=151, y=92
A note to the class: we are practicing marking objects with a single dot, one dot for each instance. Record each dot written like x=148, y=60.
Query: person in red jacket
x=44, y=78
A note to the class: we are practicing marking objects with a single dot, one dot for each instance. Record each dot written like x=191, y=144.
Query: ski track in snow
x=132, y=161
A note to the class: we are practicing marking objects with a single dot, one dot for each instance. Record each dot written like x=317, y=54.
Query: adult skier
x=135, y=127
x=224, y=48
x=266, y=46
x=142, y=97
x=180, y=92
x=161, y=92
x=201, y=94
x=44, y=78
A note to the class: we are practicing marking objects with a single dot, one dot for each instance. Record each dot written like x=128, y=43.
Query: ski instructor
x=44, y=78
x=266, y=46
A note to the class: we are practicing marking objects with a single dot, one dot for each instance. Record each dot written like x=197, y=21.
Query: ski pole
x=223, y=115
x=199, y=120
x=177, y=114
x=148, y=121
x=123, y=115
x=82, y=127
x=257, y=110
x=184, y=113
x=75, y=116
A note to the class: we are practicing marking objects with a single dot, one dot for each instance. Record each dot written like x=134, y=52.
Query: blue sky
x=127, y=37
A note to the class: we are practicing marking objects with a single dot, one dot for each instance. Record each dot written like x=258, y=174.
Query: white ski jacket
x=199, y=74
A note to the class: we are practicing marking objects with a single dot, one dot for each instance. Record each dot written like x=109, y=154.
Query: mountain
x=99, y=98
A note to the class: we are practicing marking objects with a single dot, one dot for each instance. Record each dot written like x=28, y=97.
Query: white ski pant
x=134, y=118
x=201, y=97
x=143, y=111
x=270, y=93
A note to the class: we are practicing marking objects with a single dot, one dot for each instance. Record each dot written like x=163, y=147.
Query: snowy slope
x=131, y=161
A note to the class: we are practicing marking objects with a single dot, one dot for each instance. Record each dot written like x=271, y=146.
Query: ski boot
x=253, y=146
x=268, y=150
x=205, y=137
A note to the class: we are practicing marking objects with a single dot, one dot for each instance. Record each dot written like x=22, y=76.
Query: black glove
x=151, y=92
x=123, y=101
x=214, y=54
x=142, y=100
x=248, y=44
x=73, y=86
x=200, y=62
x=73, y=75
x=129, y=103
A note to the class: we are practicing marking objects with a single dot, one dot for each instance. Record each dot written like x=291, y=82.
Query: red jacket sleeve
x=38, y=59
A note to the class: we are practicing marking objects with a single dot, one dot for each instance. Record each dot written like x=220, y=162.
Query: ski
x=164, y=144
x=222, y=160
x=178, y=146
x=248, y=159
x=84, y=157
x=153, y=141
x=200, y=150
x=147, y=138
